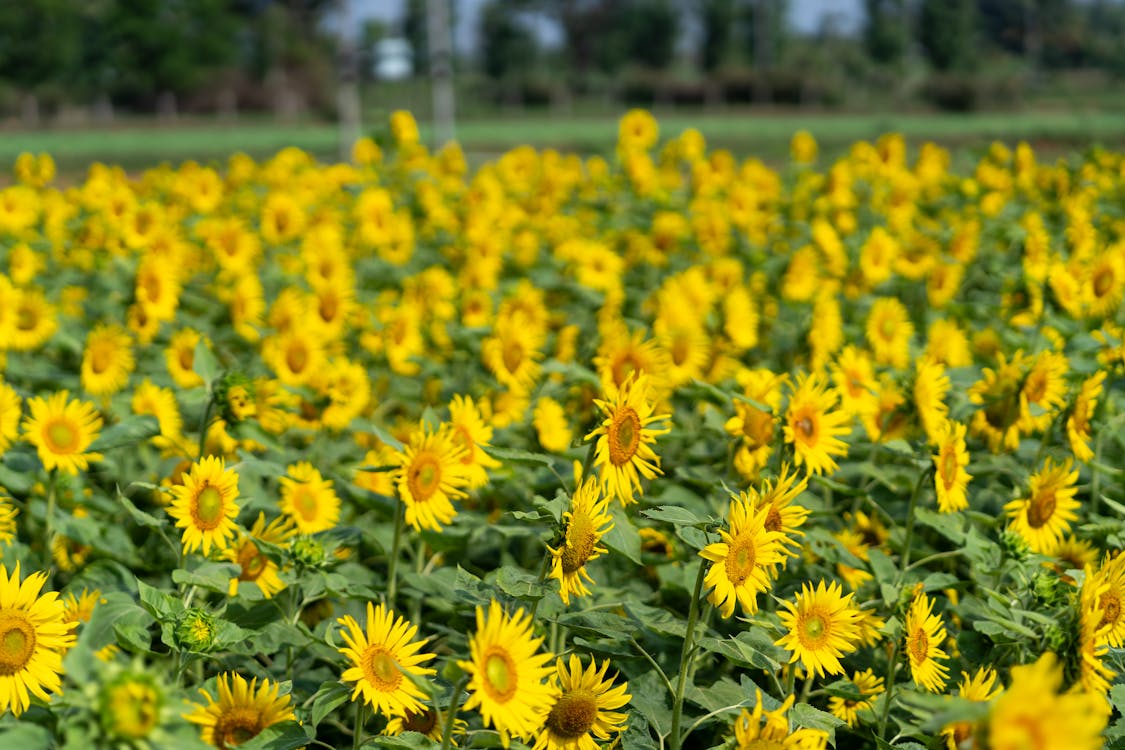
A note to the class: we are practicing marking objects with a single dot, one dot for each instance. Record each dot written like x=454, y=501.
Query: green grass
x=142, y=144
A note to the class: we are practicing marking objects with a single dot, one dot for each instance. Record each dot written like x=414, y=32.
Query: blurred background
x=139, y=81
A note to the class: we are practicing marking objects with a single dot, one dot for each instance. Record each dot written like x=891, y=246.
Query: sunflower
x=1043, y=391
x=35, y=322
x=1044, y=517
x=204, y=505
x=751, y=733
x=822, y=627
x=470, y=432
x=62, y=431
x=624, y=449
x=429, y=477
x=1111, y=599
x=1078, y=430
x=348, y=387
x=160, y=403
x=998, y=394
x=10, y=412
x=931, y=386
x=889, y=332
x=1093, y=634
x=308, y=498
x=383, y=660
x=254, y=566
x=8, y=513
x=947, y=343
x=868, y=686
x=783, y=516
x=107, y=360
x=742, y=562
x=241, y=711
x=950, y=476
x=586, y=522
x=813, y=424
x=425, y=722
x=854, y=377
x=510, y=681
x=296, y=356
x=689, y=350
x=925, y=633
x=551, y=426
x=513, y=351
x=130, y=706
x=1033, y=713
x=623, y=356
x=755, y=427
x=981, y=687
x=34, y=634
x=890, y=419
x=585, y=711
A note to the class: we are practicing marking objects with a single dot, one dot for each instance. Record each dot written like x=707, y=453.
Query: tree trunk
x=440, y=41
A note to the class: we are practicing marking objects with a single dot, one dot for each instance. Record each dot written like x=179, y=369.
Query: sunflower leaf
x=287, y=735
x=204, y=363
x=525, y=457
x=676, y=516
x=129, y=431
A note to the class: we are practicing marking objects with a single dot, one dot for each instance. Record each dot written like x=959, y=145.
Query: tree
x=507, y=46
x=717, y=19
x=885, y=32
x=652, y=28
x=947, y=32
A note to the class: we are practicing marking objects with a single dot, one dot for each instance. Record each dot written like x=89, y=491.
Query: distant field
x=142, y=144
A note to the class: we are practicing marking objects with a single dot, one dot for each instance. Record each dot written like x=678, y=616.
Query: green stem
x=204, y=425
x=1095, y=475
x=892, y=668
x=542, y=579
x=685, y=657
x=910, y=518
x=936, y=556
x=451, y=715
x=357, y=735
x=52, y=479
x=648, y=657
x=392, y=563
x=587, y=464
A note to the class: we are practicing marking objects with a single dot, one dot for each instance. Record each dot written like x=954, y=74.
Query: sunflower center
x=253, y=562
x=17, y=641
x=624, y=367
x=741, y=559
x=297, y=357
x=382, y=669
x=209, y=507
x=919, y=646
x=1035, y=387
x=887, y=329
x=1103, y=282
x=134, y=709
x=758, y=428
x=948, y=467
x=573, y=714
x=329, y=306
x=500, y=675
x=681, y=350
x=773, y=520
x=513, y=356
x=100, y=359
x=304, y=501
x=579, y=543
x=236, y=726
x=26, y=319
x=814, y=629
x=62, y=436
x=624, y=435
x=424, y=477
x=422, y=723
x=805, y=428
x=465, y=440
x=1040, y=510
x=1111, y=609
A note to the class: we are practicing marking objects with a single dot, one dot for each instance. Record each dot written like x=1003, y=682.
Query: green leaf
x=675, y=515
x=129, y=431
x=518, y=456
x=519, y=584
x=623, y=538
x=157, y=603
x=205, y=364
x=327, y=699
x=804, y=715
x=845, y=689
x=142, y=517
x=212, y=576
x=287, y=735
x=949, y=525
x=26, y=737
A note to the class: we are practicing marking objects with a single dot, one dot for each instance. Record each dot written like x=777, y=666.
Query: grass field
x=141, y=144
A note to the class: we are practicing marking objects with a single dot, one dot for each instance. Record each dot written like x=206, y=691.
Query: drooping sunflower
x=1033, y=713
x=813, y=424
x=751, y=733
x=472, y=434
x=924, y=633
x=586, y=522
x=254, y=565
x=1044, y=516
x=950, y=477
x=847, y=709
x=1078, y=429
x=586, y=710
x=107, y=360
x=742, y=562
x=241, y=711
x=383, y=659
x=624, y=453
x=61, y=431
x=931, y=385
x=10, y=413
x=34, y=634
x=998, y=419
x=308, y=498
x=980, y=687
x=1043, y=391
x=889, y=332
x=822, y=625
x=205, y=506
x=510, y=677
x=430, y=476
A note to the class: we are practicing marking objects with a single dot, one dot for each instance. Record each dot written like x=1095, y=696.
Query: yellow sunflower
x=513, y=351
x=36, y=321
x=950, y=477
x=624, y=451
x=470, y=432
x=931, y=386
x=981, y=687
x=847, y=709
x=384, y=660
x=1043, y=391
x=1111, y=598
x=205, y=506
x=1078, y=428
x=854, y=377
x=254, y=566
x=586, y=710
x=296, y=355
x=998, y=420
x=822, y=625
x=160, y=403
x=947, y=343
x=241, y=711
x=741, y=563
x=179, y=358
x=107, y=360
x=34, y=634
x=424, y=722
x=1044, y=517
x=889, y=332
x=924, y=634
x=131, y=706
x=8, y=513
x=753, y=426
x=10, y=413
x=308, y=498
x=61, y=431
x=783, y=516
x=750, y=733
x=510, y=678
x=551, y=425
x=430, y=476
x=623, y=356
x=586, y=522
x=813, y=425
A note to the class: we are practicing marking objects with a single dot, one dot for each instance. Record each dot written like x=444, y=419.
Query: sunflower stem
x=1095, y=475
x=392, y=563
x=685, y=657
x=586, y=465
x=205, y=424
x=910, y=519
x=892, y=668
x=542, y=579
x=52, y=479
x=451, y=715
x=357, y=734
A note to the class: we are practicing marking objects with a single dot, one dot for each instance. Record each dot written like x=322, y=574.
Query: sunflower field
x=663, y=449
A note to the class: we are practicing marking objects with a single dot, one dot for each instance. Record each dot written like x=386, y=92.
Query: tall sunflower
x=34, y=634
x=1093, y=631
x=36, y=321
x=513, y=351
x=814, y=425
x=107, y=360
x=1044, y=516
x=10, y=412
x=924, y=634
x=472, y=434
x=822, y=625
x=624, y=453
x=1111, y=599
x=586, y=522
x=998, y=394
x=1078, y=429
x=741, y=563
x=241, y=711
x=61, y=431
x=751, y=733
x=430, y=476
x=308, y=498
x=889, y=332
x=950, y=477
x=1043, y=391
x=586, y=710
x=931, y=385
x=254, y=566
x=205, y=506
x=783, y=515
x=509, y=680
x=384, y=659
x=869, y=687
